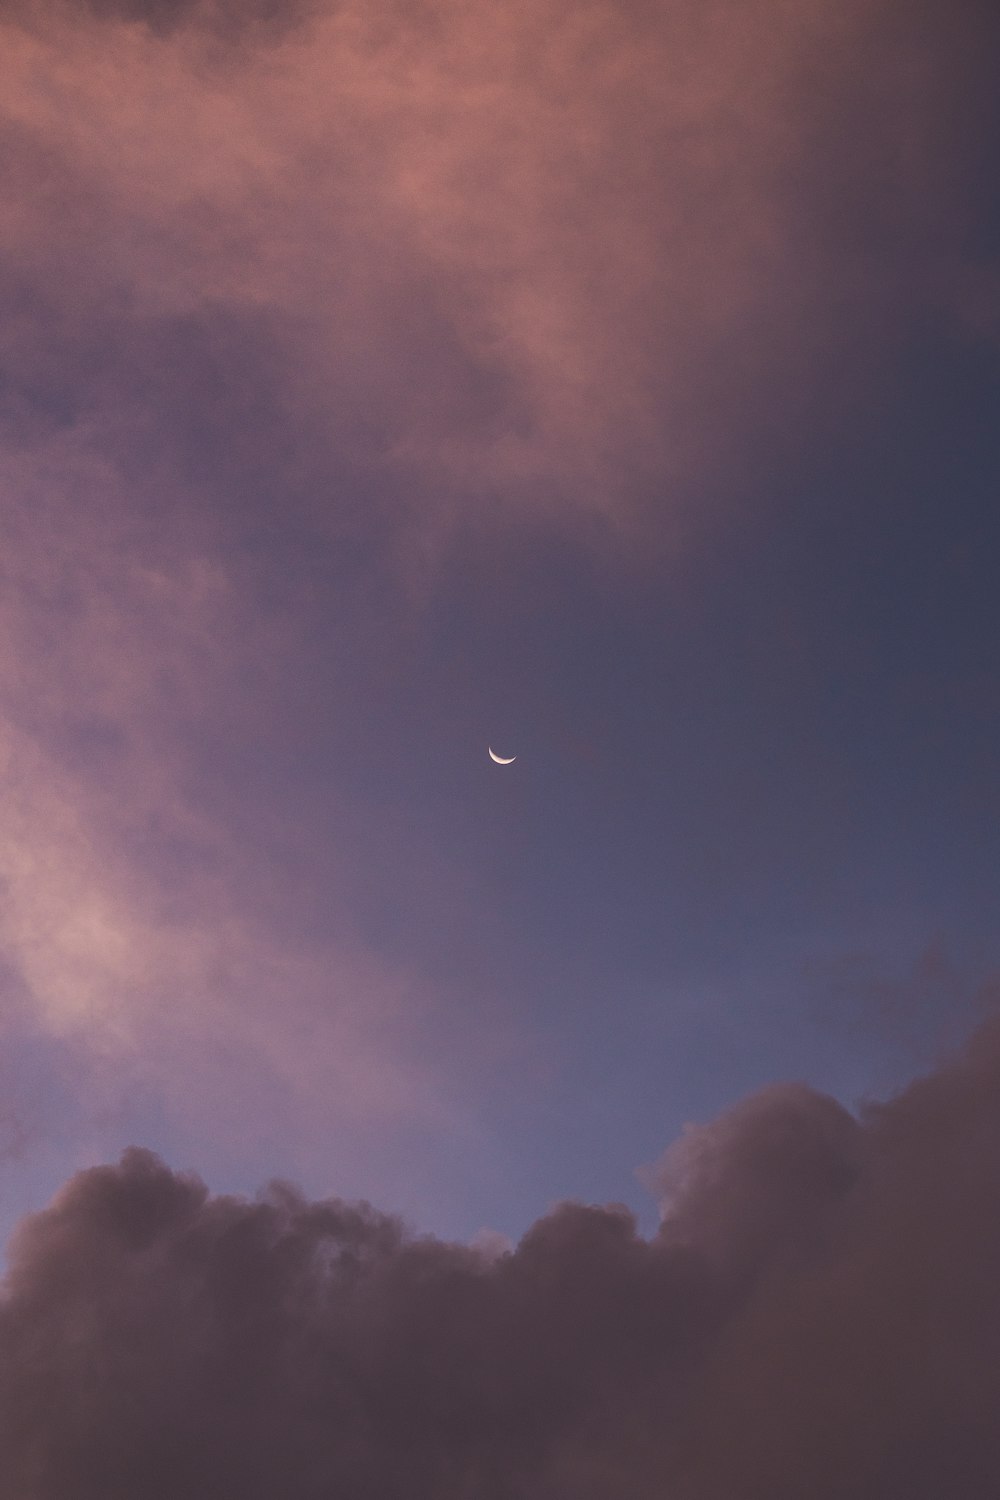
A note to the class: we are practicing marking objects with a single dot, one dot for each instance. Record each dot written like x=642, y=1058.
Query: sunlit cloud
x=541, y=256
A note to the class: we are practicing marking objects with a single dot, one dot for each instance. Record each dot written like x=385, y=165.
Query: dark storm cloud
x=818, y=1316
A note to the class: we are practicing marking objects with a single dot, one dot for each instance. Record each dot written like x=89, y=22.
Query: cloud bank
x=818, y=1314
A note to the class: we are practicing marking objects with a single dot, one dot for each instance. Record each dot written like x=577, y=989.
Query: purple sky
x=615, y=384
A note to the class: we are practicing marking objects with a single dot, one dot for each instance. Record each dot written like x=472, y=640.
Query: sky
x=615, y=385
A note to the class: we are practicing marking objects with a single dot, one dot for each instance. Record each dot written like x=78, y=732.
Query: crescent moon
x=500, y=760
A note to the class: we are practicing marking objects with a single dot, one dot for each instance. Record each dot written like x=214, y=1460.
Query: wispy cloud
x=532, y=255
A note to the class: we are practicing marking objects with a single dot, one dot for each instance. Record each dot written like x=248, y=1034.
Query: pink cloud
x=120, y=639
x=532, y=253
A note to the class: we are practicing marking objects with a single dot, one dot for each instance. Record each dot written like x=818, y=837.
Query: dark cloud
x=817, y=1316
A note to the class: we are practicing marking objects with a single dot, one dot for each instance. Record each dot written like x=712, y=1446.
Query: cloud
x=133, y=924
x=543, y=257
x=764, y=1173
x=817, y=1315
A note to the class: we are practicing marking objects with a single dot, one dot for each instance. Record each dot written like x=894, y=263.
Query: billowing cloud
x=817, y=1315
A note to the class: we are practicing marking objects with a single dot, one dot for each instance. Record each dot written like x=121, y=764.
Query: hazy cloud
x=130, y=920
x=549, y=254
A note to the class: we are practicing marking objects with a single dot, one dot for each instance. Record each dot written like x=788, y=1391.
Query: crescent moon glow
x=499, y=758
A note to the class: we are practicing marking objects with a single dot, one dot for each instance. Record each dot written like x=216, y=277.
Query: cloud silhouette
x=818, y=1314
